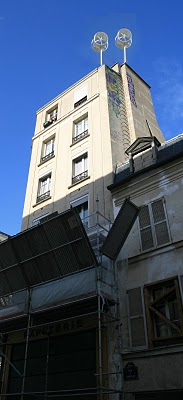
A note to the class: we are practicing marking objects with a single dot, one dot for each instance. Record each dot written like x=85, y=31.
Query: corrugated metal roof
x=45, y=252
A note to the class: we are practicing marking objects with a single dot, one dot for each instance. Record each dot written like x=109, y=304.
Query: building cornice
x=55, y=99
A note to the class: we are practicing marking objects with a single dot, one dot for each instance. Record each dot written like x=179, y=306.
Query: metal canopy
x=45, y=252
x=120, y=229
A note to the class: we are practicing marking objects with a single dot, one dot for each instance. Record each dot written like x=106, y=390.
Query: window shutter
x=145, y=229
x=136, y=318
x=80, y=93
x=160, y=222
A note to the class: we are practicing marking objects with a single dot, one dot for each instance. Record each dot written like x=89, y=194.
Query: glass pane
x=79, y=128
x=47, y=148
x=86, y=124
x=78, y=167
x=163, y=330
x=85, y=163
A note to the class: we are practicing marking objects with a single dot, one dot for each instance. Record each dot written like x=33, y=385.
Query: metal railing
x=47, y=156
x=80, y=136
x=79, y=177
x=50, y=121
x=43, y=196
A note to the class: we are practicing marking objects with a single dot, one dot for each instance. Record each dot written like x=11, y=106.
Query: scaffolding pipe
x=26, y=347
x=10, y=363
x=99, y=390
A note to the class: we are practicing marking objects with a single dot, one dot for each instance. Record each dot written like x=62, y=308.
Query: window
x=44, y=188
x=79, y=102
x=156, y=313
x=80, y=129
x=80, y=168
x=37, y=221
x=153, y=225
x=44, y=218
x=51, y=116
x=164, y=311
x=82, y=206
x=48, y=149
x=80, y=96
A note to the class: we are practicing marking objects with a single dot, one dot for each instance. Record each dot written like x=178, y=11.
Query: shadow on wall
x=88, y=199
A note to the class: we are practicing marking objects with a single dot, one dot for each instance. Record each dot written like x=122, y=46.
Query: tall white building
x=81, y=137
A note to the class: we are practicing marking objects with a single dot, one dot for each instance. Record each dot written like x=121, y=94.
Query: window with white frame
x=44, y=188
x=80, y=129
x=82, y=206
x=51, y=116
x=80, y=168
x=48, y=149
x=80, y=95
x=153, y=225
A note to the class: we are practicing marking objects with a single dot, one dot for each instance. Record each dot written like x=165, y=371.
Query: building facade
x=150, y=270
x=61, y=299
x=80, y=138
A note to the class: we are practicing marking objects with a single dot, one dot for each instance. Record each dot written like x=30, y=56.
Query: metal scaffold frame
x=101, y=311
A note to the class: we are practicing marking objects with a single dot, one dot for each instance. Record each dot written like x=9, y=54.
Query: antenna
x=123, y=40
x=100, y=43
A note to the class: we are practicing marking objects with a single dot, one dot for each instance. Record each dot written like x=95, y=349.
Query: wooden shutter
x=145, y=229
x=136, y=318
x=160, y=222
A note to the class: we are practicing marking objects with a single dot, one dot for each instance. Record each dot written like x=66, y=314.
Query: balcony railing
x=43, y=196
x=80, y=136
x=47, y=156
x=79, y=177
x=50, y=121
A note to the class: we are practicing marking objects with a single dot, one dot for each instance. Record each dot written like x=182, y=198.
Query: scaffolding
x=35, y=300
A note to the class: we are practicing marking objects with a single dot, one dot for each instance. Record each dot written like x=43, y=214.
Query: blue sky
x=45, y=47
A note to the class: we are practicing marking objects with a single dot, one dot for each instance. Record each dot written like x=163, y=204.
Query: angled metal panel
x=120, y=229
x=48, y=251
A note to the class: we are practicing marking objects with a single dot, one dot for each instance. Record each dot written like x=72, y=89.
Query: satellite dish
x=123, y=40
x=100, y=43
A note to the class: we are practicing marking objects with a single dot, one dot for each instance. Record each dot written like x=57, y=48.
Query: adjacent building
x=150, y=270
